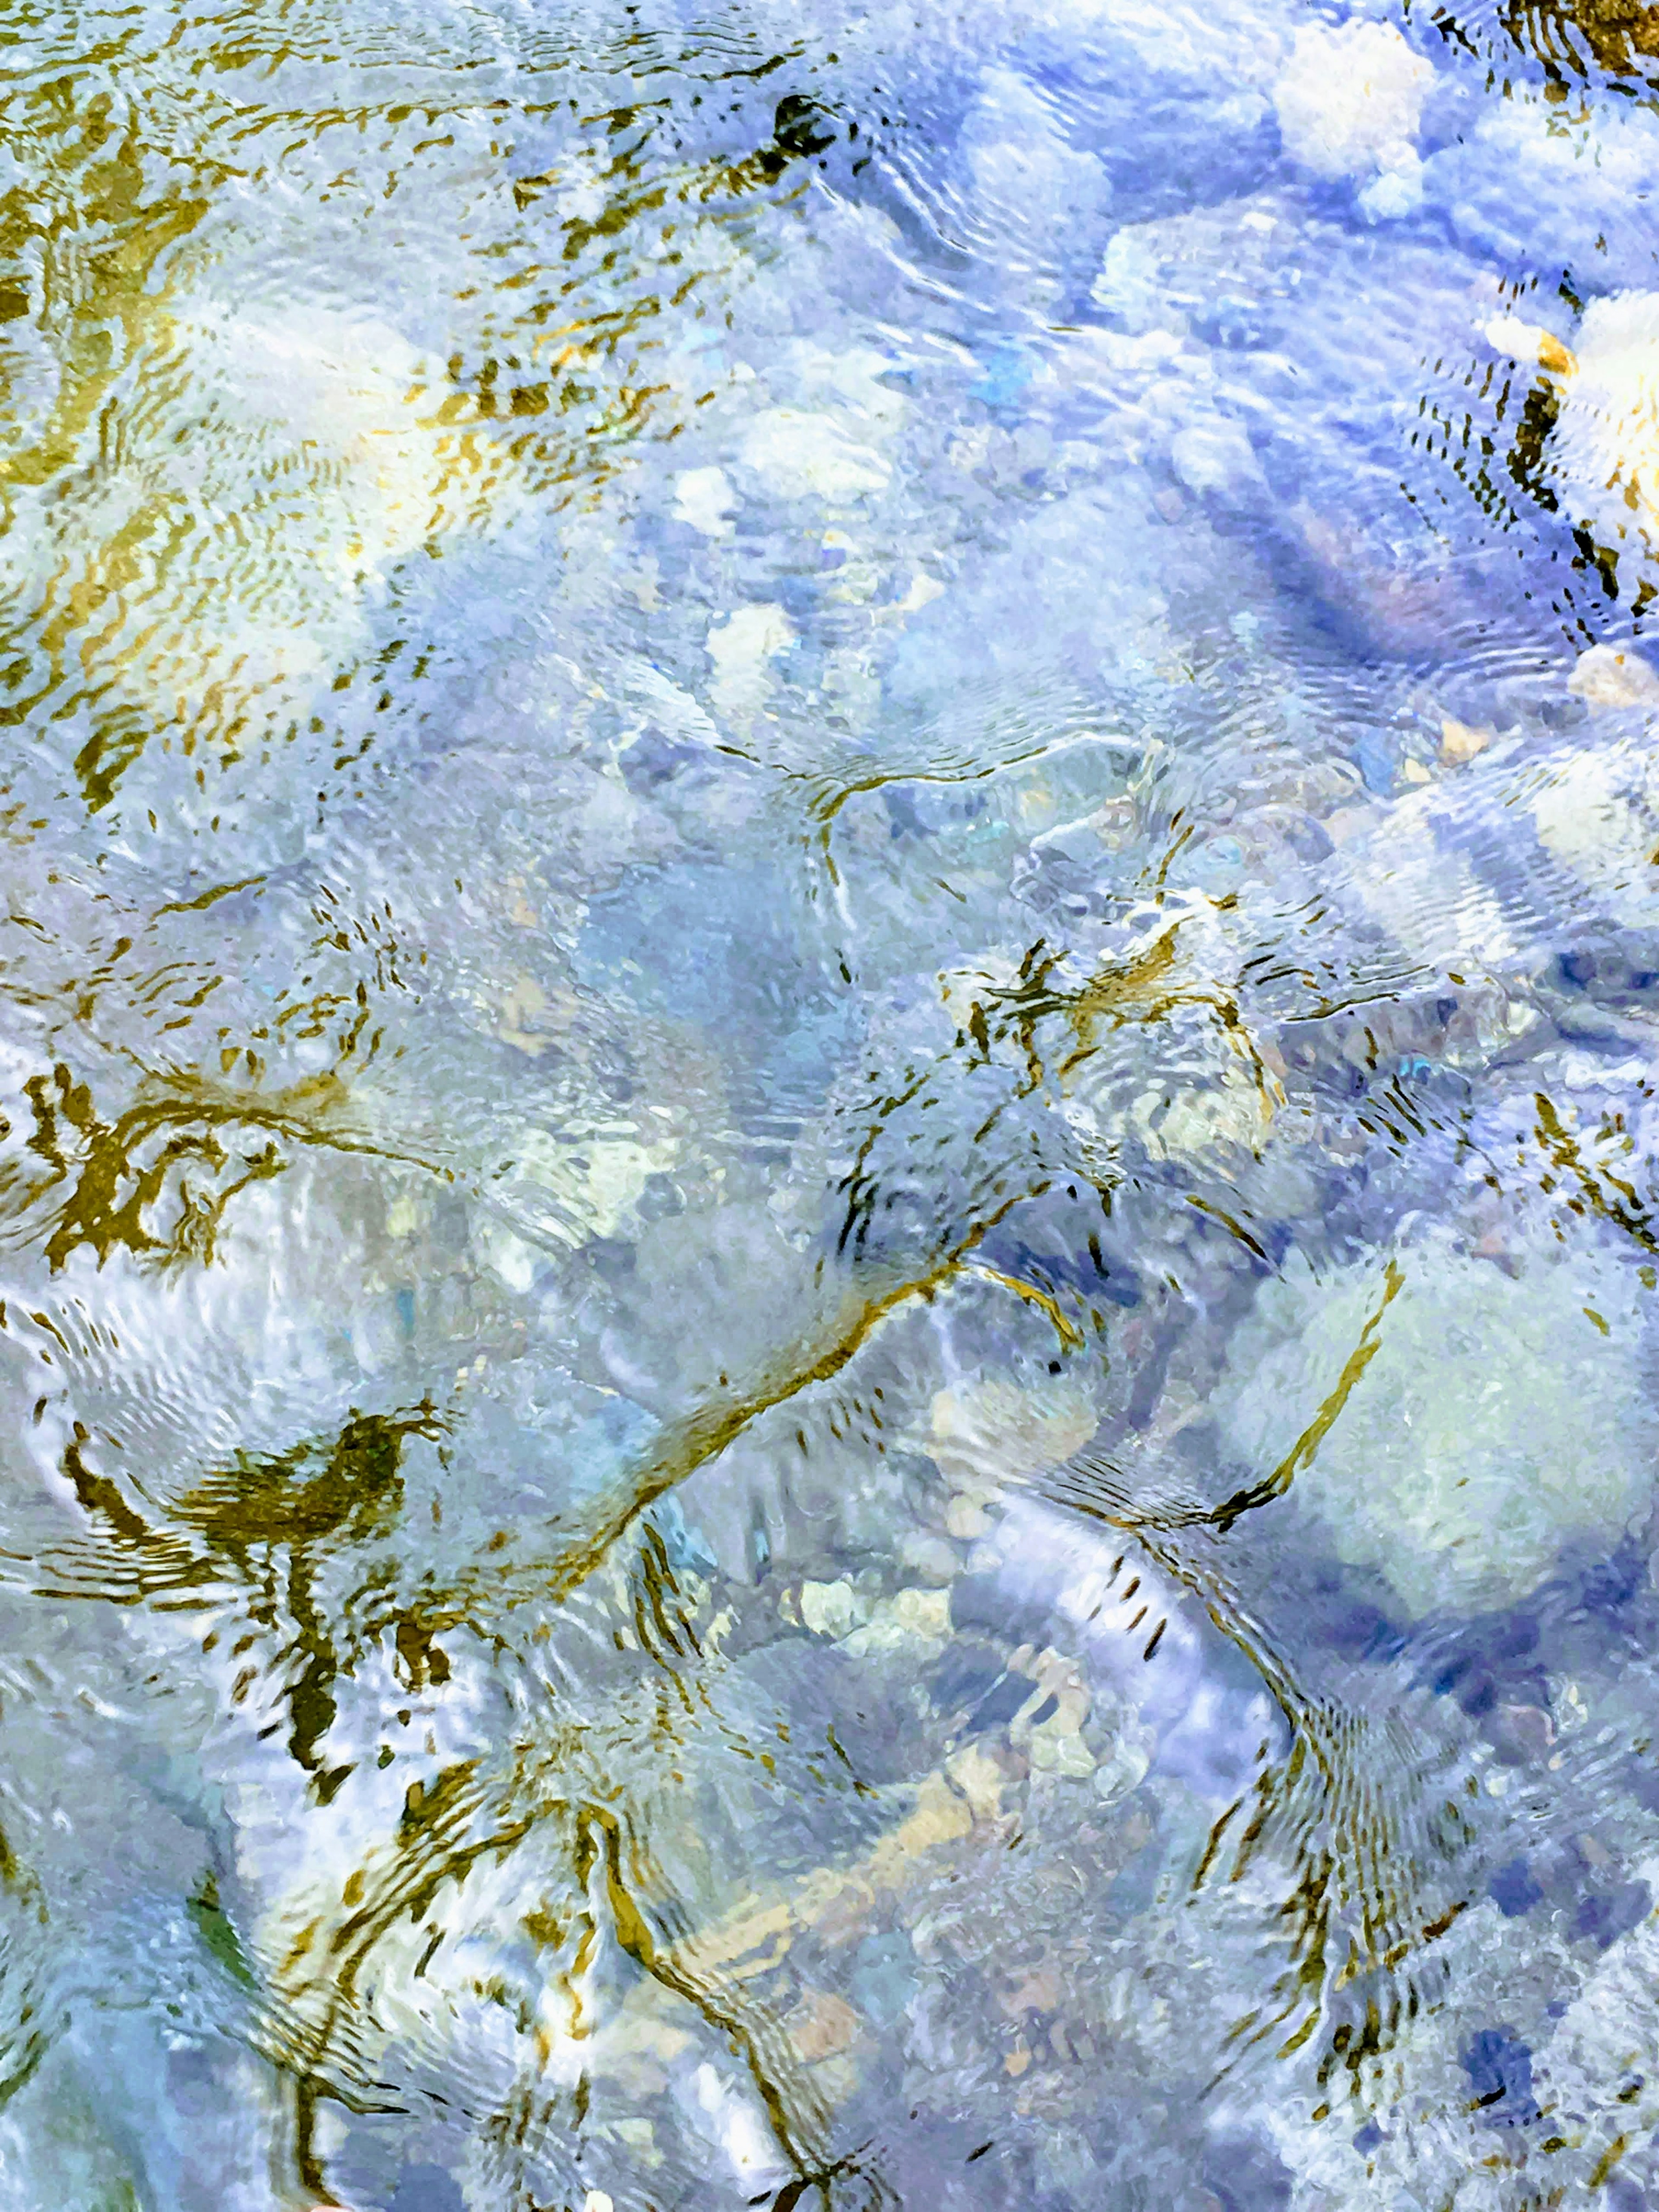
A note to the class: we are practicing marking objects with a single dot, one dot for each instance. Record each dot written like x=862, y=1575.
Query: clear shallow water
x=828, y=1229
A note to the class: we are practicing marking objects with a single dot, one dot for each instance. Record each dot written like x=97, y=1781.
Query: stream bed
x=829, y=1121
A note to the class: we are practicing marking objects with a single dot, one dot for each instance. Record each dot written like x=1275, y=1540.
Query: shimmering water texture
x=828, y=1217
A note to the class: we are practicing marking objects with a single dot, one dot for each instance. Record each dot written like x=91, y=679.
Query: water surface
x=829, y=1233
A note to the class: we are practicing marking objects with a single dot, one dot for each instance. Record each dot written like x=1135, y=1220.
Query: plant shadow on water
x=828, y=1219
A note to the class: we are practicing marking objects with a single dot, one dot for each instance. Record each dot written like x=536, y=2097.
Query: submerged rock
x=1499, y=1417
x=1350, y=100
x=1605, y=677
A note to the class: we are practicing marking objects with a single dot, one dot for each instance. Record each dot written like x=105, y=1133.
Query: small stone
x=940, y=1817
x=965, y=1520
x=743, y=648
x=911, y=1616
x=405, y=1215
x=704, y=499
x=931, y=1557
x=1531, y=342
x=830, y=1608
x=1214, y=457
x=1461, y=741
x=924, y=1613
x=1605, y=445
x=821, y=2024
x=981, y=1434
x=979, y=1778
x=1345, y=821
x=1124, y=1771
x=1350, y=100
x=1523, y=1734
x=1397, y=192
x=1608, y=676
x=1060, y=1752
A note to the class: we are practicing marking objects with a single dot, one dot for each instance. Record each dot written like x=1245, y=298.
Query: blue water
x=829, y=1224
